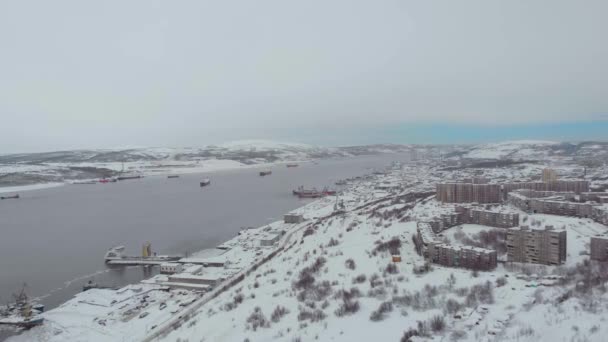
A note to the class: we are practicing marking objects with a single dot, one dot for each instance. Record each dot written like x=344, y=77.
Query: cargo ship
x=120, y=178
x=173, y=176
x=24, y=313
x=205, y=182
x=292, y=165
x=265, y=173
x=15, y=196
x=313, y=193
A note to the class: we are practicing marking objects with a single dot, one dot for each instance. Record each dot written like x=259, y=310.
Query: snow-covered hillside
x=334, y=277
x=521, y=149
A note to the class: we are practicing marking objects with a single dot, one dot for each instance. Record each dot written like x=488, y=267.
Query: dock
x=115, y=256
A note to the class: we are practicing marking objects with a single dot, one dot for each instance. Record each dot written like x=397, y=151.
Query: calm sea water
x=54, y=240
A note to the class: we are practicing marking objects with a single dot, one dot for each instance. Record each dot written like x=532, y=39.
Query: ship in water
x=205, y=182
x=23, y=312
x=265, y=173
x=313, y=193
x=93, y=285
x=125, y=177
x=15, y=196
x=84, y=182
x=173, y=176
x=292, y=165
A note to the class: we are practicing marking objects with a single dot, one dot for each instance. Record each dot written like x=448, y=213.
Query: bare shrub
x=333, y=242
x=257, y=319
x=383, y=309
x=315, y=292
x=437, y=323
x=377, y=292
x=408, y=334
x=359, y=279
x=312, y=315
x=375, y=280
x=502, y=281
x=348, y=307
x=392, y=246
x=350, y=264
x=308, y=231
x=278, y=313
x=391, y=268
x=348, y=294
x=458, y=335
x=480, y=293
x=452, y=306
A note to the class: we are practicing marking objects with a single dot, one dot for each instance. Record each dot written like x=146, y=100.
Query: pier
x=115, y=256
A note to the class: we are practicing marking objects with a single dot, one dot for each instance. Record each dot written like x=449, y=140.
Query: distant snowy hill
x=522, y=149
x=61, y=166
x=538, y=149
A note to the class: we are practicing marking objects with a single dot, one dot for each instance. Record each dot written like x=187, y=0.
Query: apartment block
x=599, y=248
x=477, y=180
x=540, y=246
x=576, y=186
x=462, y=256
x=468, y=193
x=488, y=218
x=425, y=236
x=549, y=175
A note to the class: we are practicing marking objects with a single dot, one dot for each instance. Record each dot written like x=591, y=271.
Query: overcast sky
x=83, y=74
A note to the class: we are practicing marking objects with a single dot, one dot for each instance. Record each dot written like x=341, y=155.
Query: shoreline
x=149, y=170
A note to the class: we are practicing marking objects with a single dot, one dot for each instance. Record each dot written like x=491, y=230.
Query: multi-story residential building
x=488, y=218
x=558, y=204
x=599, y=248
x=462, y=256
x=468, y=193
x=477, y=180
x=600, y=214
x=541, y=246
x=424, y=237
x=445, y=221
x=599, y=197
x=576, y=186
x=549, y=175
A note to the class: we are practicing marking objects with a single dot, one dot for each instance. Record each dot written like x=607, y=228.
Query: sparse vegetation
x=278, y=313
x=257, y=319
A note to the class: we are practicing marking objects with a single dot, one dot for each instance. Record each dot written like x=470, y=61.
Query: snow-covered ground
x=334, y=278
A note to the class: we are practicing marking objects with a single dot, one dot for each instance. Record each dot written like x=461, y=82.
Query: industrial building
x=599, y=248
x=540, y=246
x=462, y=256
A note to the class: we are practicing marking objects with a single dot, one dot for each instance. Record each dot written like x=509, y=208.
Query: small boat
x=15, y=196
x=292, y=165
x=173, y=176
x=205, y=182
x=91, y=285
x=301, y=191
x=341, y=182
x=265, y=173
